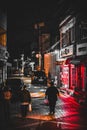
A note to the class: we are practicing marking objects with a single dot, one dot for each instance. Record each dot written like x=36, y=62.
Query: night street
x=69, y=116
x=43, y=53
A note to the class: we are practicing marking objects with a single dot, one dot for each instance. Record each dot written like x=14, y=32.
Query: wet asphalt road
x=69, y=115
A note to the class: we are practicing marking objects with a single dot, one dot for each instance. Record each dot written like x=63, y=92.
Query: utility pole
x=39, y=26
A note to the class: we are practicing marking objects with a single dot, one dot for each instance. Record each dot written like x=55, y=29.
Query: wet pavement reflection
x=69, y=115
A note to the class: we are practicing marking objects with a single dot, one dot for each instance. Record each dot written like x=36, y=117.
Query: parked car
x=15, y=85
x=39, y=77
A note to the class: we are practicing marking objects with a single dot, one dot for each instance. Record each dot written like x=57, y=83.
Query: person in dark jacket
x=52, y=93
x=25, y=100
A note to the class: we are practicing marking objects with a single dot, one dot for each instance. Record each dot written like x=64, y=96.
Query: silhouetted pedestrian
x=6, y=98
x=52, y=94
x=25, y=100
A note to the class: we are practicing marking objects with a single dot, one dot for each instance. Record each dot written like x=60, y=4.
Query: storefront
x=81, y=68
x=67, y=69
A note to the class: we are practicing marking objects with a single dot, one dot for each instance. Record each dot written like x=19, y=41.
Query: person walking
x=52, y=94
x=25, y=100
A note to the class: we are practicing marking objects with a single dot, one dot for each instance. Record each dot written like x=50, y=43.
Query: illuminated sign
x=59, y=62
x=81, y=49
x=68, y=51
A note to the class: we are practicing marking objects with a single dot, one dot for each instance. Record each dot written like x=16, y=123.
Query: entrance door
x=64, y=76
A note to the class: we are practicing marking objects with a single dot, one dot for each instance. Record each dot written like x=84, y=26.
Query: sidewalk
x=79, y=96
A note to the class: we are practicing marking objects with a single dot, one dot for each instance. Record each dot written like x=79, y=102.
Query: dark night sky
x=21, y=20
x=22, y=16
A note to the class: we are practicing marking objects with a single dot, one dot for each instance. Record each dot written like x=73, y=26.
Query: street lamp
x=16, y=60
x=22, y=59
x=39, y=26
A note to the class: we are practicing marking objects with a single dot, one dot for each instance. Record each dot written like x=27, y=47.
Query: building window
x=72, y=34
x=68, y=37
x=83, y=31
x=65, y=39
x=3, y=39
x=67, y=33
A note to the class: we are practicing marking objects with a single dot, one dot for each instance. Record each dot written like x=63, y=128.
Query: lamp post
x=22, y=59
x=39, y=26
